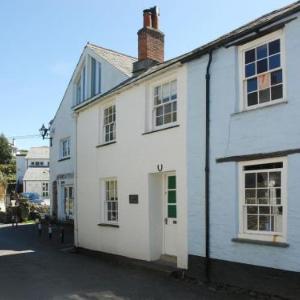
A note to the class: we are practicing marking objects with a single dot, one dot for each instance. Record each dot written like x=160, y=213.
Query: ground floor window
x=111, y=201
x=45, y=189
x=68, y=200
x=263, y=197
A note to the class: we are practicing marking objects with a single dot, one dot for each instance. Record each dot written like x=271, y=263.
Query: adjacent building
x=36, y=178
x=98, y=70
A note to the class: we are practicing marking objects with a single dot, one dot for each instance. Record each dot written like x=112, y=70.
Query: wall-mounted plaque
x=133, y=199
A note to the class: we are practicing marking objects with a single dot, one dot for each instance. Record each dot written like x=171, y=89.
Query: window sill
x=248, y=110
x=106, y=144
x=160, y=129
x=108, y=225
x=65, y=158
x=258, y=242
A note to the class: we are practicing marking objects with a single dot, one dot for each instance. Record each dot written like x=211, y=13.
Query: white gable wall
x=63, y=125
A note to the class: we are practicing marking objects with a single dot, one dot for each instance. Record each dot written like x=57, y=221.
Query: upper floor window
x=165, y=103
x=95, y=77
x=109, y=124
x=263, y=198
x=80, y=86
x=65, y=148
x=262, y=72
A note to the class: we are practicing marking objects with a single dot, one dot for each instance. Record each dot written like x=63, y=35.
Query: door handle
x=166, y=221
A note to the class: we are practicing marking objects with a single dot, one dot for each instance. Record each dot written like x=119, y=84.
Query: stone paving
x=39, y=268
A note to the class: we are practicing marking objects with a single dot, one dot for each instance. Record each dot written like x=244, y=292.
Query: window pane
x=262, y=51
x=274, y=47
x=167, y=108
x=265, y=210
x=262, y=66
x=275, y=179
x=276, y=77
x=159, y=121
x=250, y=196
x=264, y=81
x=252, y=99
x=252, y=210
x=264, y=223
x=264, y=96
x=250, y=70
x=172, y=211
x=172, y=182
x=166, y=92
x=250, y=180
x=251, y=85
x=174, y=106
x=167, y=118
x=173, y=89
x=277, y=92
x=171, y=196
x=262, y=179
x=250, y=56
x=274, y=61
x=252, y=222
x=159, y=111
x=174, y=117
x=263, y=196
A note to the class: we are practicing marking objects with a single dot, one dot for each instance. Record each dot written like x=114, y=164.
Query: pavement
x=33, y=267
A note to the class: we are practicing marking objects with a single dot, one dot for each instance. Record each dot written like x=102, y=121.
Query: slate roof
x=121, y=61
x=38, y=153
x=36, y=174
x=244, y=30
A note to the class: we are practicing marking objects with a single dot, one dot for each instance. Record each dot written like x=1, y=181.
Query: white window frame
x=114, y=123
x=45, y=189
x=105, y=201
x=62, y=141
x=243, y=86
x=263, y=235
x=155, y=107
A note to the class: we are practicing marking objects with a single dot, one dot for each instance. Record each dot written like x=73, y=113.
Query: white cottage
x=98, y=70
x=36, y=177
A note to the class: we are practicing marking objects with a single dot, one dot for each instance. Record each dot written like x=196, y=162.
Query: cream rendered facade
x=62, y=187
x=139, y=160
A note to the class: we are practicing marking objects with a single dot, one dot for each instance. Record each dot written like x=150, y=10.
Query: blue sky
x=41, y=41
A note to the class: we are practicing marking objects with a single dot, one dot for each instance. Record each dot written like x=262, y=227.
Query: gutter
x=207, y=169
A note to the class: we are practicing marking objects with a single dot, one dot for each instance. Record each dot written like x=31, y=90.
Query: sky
x=41, y=41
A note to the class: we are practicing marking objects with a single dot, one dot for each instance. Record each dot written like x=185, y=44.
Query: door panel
x=170, y=214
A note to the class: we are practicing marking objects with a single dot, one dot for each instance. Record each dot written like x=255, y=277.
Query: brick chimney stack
x=150, y=42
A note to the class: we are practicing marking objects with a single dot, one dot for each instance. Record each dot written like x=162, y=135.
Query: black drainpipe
x=207, y=157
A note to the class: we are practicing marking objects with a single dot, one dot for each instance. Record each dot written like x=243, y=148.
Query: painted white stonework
x=36, y=170
x=133, y=160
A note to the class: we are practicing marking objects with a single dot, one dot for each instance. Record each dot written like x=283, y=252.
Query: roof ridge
x=111, y=50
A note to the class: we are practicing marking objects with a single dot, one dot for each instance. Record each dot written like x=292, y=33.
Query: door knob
x=166, y=220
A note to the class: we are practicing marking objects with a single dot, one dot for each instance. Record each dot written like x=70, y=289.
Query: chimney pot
x=147, y=19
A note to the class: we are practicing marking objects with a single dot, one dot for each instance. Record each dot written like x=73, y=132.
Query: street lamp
x=45, y=133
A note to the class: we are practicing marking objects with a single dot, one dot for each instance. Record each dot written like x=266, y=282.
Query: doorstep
x=165, y=264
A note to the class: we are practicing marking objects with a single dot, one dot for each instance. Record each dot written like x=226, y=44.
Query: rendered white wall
x=131, y=160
